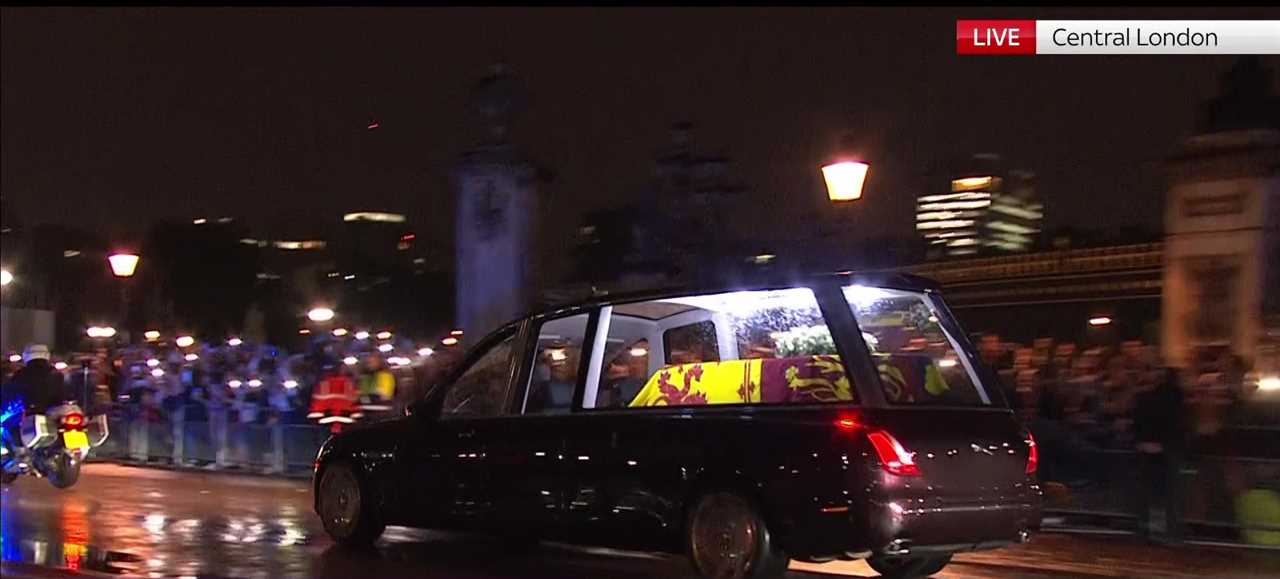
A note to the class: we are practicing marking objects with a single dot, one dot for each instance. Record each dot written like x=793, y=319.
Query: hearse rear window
x=749, y=347
x=691, y=343
x=918, y=359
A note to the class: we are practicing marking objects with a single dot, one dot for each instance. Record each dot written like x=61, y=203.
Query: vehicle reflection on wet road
x=179, y=524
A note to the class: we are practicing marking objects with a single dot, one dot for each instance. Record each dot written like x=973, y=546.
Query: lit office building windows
x=986, y=210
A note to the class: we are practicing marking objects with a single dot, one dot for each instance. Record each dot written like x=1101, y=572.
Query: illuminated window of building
x=374, y=216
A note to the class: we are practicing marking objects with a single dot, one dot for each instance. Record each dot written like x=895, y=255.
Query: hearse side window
x=749, y=347
x=481, y=390
x=556, y=359
x=692, y=343
x=919, y=361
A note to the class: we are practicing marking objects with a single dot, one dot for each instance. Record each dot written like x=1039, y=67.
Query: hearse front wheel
x=345, y=508
x=908, y=567
x=728, y=538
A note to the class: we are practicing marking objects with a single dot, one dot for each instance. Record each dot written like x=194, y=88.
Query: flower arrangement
x=804, y=341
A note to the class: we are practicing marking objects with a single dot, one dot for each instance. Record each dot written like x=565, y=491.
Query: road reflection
x=151, y=523
x=154, y=523
x=161, y=524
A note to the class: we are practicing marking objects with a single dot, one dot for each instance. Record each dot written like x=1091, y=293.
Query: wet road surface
x=157, y=523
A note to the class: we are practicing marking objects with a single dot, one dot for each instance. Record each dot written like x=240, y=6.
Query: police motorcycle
x=52, y=445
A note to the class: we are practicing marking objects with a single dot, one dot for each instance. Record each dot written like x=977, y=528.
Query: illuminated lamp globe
x=845, y=180
x=123, y=264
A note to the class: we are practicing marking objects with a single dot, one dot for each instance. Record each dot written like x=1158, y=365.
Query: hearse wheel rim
x=725, y=534
x=341, y=501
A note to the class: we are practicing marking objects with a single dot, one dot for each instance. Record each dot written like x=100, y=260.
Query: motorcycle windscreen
x=75, y=439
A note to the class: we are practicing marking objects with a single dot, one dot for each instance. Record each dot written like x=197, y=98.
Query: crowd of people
x=160, y=388
x=1120, y=397
x=1081, y=404
x=1116, y=416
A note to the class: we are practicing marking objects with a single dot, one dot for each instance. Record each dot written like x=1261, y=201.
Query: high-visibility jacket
x=384, y=383
x=335, y=401
x=1258, y=508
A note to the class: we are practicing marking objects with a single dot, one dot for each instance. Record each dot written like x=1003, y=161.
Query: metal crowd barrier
x=282, y=449
x=1099, y=490
x=1215, y=498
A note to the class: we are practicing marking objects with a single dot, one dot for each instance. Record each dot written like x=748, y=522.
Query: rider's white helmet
x=35, y=352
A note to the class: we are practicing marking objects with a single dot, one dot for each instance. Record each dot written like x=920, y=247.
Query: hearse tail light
x=893, y=457
x=848, y=423
x=1033, y=457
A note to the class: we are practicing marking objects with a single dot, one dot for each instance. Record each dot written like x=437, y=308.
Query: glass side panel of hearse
x=776, y=346
x=960, y=435
x=916, y=349
x=757, y=347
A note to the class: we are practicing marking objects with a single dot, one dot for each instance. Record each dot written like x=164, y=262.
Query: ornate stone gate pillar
x=1222, y=227
x=496, y=216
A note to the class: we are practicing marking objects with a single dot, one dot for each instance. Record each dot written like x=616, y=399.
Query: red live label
x=995, y=37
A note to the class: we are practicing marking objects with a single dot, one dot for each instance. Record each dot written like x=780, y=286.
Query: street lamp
x=845, y=180
x=6, y=278
x=846, y=174
x=123, y=264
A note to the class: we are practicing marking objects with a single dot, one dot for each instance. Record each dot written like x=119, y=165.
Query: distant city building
x=676, y=226
x=686, y=177
x=370, y=238
x=987, y=209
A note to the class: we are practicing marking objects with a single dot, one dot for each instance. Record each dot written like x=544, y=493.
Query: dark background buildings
x=140, y=114
x=136, y=122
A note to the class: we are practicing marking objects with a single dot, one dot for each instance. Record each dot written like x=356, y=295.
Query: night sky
x=113, y=117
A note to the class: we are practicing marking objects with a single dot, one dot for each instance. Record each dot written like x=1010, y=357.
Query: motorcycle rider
x=34, y=388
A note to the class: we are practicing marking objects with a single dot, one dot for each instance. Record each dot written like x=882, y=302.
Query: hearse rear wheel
x=908, y=567
x=728, y=538
x=346, y=508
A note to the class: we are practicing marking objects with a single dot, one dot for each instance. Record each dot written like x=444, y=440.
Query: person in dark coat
x=37, y=385
x=1159, y=433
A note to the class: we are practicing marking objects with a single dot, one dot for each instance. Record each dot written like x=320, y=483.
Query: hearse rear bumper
x=898, y=529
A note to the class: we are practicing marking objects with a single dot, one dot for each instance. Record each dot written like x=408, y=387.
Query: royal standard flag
x=802, y=379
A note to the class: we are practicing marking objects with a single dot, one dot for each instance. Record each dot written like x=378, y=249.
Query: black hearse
x=837, y=417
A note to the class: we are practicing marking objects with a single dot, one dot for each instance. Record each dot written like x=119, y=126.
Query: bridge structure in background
x=1057, y=293
x=1102, y=274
